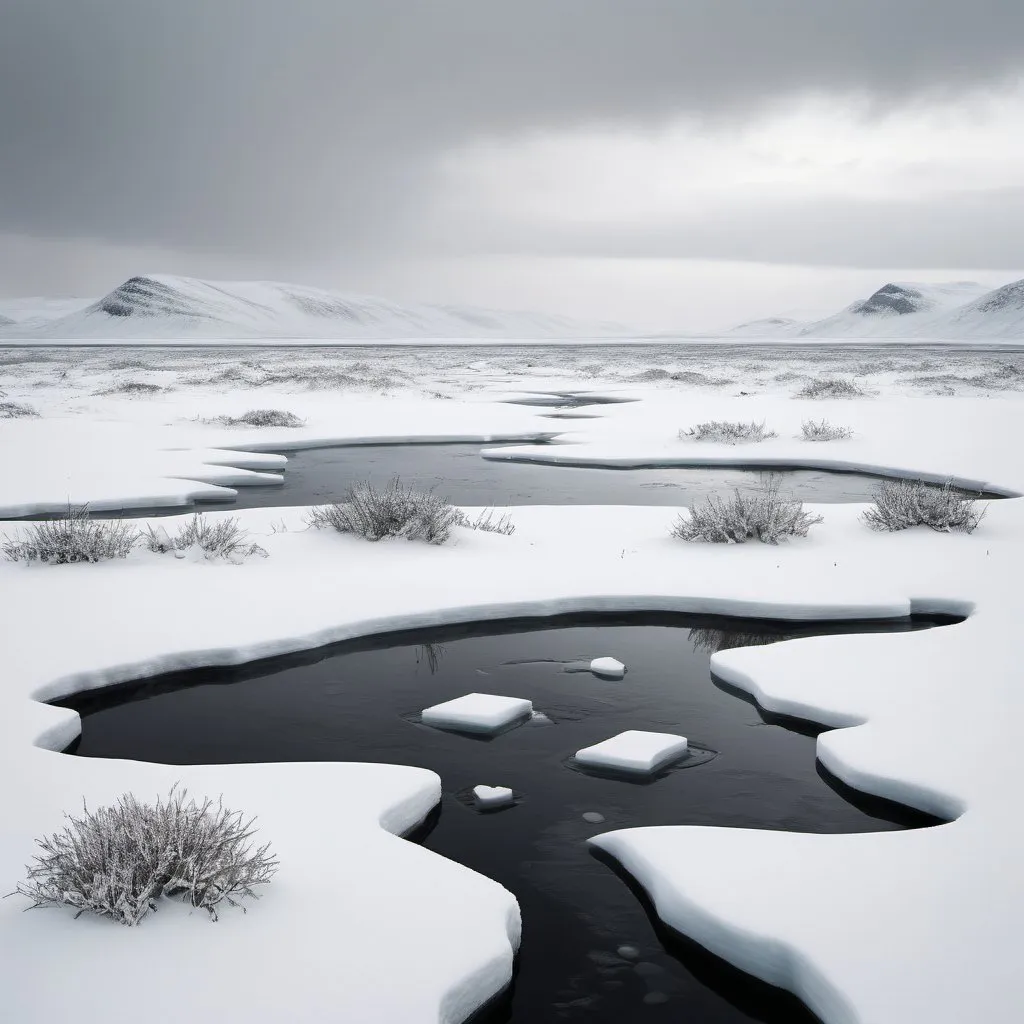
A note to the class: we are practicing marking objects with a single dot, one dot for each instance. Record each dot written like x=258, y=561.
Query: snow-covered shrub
x=728, y=433
x=222, y=539
x=74, y=537
x=133, y=387
x=900, y=504
x=262, y=418
x=16, y=411
x=119, y=861
x=391, y=511
x=485, y=521
x=764, y=516
x=822, y=430
x=829, y=387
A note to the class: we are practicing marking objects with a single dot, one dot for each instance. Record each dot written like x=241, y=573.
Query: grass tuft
x=73, y=537
x=262, y=418
x=392, y=511
x=17, y=411
x=222, y=539
x=822, y=430
x=830, y=387
x=728, y=433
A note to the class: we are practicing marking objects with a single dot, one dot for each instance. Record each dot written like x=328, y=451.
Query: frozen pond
x=590, y=953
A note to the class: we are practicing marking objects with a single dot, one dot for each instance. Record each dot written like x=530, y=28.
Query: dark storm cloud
x=302, y=125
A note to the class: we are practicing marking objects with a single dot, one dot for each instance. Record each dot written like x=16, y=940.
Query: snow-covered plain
x=359, y=925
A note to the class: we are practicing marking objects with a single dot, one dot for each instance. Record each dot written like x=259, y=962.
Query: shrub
x=728, y=433
x=392, y=511
x=262, y=418
x=900, y=504
x=823, y=431
x=16, y=411
x=829, y=387
x=119, y=861
x=133, y=387
x=223, y=539
x=74, y=537
x=485, y=521
x=765, y=516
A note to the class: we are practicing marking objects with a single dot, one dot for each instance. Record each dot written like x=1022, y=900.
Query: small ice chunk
x=593, y=817
x=634, y=751
x=628, y=952
x=477, y=712
x=608, y=667
x=493, y=796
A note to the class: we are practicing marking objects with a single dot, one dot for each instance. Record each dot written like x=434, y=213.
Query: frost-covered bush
x=728, y=433
x=900, y=504
x=829, y=387
x=16, y=411
x=119, y=861
x=822, y=430
x=391, y=511
x=133, y=387
x=222, y=539
x=74, y=537
x=262, y=418
x=763, y=515
x=485, y=521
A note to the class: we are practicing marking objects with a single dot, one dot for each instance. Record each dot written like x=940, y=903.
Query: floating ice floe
x=608, y=667
x=593, y=817
x=634, y=751
x=493, y=796
x=477, y=712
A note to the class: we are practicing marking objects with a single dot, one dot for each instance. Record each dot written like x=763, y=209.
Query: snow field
x=799, y=910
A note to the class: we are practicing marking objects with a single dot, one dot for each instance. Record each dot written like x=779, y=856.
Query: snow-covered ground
x=359, y=925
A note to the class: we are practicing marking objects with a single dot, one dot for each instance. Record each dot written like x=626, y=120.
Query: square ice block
x=634, y=751
x=477, y=712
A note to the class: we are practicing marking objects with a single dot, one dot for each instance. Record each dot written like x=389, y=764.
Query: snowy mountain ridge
x=958, y=310
x=161, y=307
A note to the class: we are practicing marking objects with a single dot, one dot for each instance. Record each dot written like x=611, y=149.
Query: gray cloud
x=255, y=126
x=983, y=230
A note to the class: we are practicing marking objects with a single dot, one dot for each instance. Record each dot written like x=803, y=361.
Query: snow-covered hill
x=896, y=310
x=996, y=314
x=163, y=308
x=958, y=310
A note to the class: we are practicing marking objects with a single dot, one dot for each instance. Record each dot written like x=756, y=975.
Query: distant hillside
x=895, y=310
x=959, y=310
x=163, y=308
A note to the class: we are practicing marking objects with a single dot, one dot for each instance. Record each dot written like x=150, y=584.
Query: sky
x=668, y=164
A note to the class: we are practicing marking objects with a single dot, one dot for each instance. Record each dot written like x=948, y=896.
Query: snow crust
x=477, y=712
x=880, y=928
x=634, y=751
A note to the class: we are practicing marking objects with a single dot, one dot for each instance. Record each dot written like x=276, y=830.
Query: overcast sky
x=666, y=163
